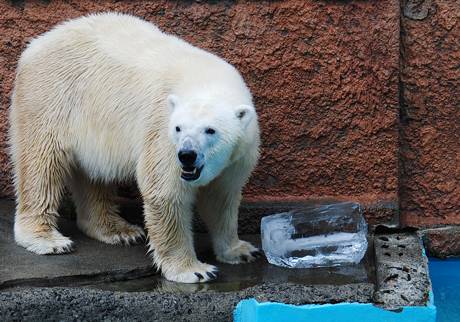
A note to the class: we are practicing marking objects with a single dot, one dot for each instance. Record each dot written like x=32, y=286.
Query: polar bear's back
x=99, y=58
x=90, y=50
x=112, y=36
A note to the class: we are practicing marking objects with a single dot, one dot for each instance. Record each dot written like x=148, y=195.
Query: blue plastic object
x=253, y=311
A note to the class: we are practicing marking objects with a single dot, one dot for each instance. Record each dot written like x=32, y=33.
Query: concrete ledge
x=76, y=304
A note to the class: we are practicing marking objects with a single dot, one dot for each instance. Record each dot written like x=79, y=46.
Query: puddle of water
x=237, y=277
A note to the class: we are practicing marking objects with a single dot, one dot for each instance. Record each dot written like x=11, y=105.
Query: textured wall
x=324, y=75
x=430, y=115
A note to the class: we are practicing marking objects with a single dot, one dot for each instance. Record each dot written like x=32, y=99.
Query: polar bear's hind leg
x=40, y=177
x=97, y=214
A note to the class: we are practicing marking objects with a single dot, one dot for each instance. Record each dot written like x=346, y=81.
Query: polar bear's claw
x=65, y=249
x=198, y=273
x=243, y=252
x=138, y=240
x=132, y=240
x=257, y=254
x=212, y=275
x=130, y=237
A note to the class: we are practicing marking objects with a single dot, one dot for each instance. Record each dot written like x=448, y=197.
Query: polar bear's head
x=205, y=134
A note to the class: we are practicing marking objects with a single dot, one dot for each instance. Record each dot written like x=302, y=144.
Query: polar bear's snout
x=190, y=160
x=190, y=170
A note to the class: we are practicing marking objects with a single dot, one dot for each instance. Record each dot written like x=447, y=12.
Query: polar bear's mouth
x=191, y=173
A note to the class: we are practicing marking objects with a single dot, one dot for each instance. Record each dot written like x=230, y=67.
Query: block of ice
x=331, y=235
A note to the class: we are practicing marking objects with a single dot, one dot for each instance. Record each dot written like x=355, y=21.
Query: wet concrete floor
x=129, y=268
x=118, y=283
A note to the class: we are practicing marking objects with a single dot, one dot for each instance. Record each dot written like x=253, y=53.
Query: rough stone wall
x=430, y=118
x=430, y=115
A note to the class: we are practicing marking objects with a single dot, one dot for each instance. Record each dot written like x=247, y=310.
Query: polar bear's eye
x=210, y=131
x=177, y=129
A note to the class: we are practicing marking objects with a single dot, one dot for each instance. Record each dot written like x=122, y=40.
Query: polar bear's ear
x=244, y=113
x=173, y=101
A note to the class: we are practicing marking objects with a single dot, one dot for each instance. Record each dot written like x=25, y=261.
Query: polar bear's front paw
x=243, y=252
x=44, y=243
x=197, y=273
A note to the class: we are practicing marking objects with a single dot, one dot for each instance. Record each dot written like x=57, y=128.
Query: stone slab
x=402, y=274
x=110, y=286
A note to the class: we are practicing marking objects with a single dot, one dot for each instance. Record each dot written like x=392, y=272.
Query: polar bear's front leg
x=171, y=243
x=218, y=207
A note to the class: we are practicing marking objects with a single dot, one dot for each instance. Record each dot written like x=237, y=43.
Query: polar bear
x=109, y=97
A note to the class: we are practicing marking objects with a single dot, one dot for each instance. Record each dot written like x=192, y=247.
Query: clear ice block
x=324, y=236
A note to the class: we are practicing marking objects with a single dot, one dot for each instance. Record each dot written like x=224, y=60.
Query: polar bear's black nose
x=187, y=157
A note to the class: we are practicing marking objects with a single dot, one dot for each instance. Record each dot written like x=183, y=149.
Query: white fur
x=97, y=101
